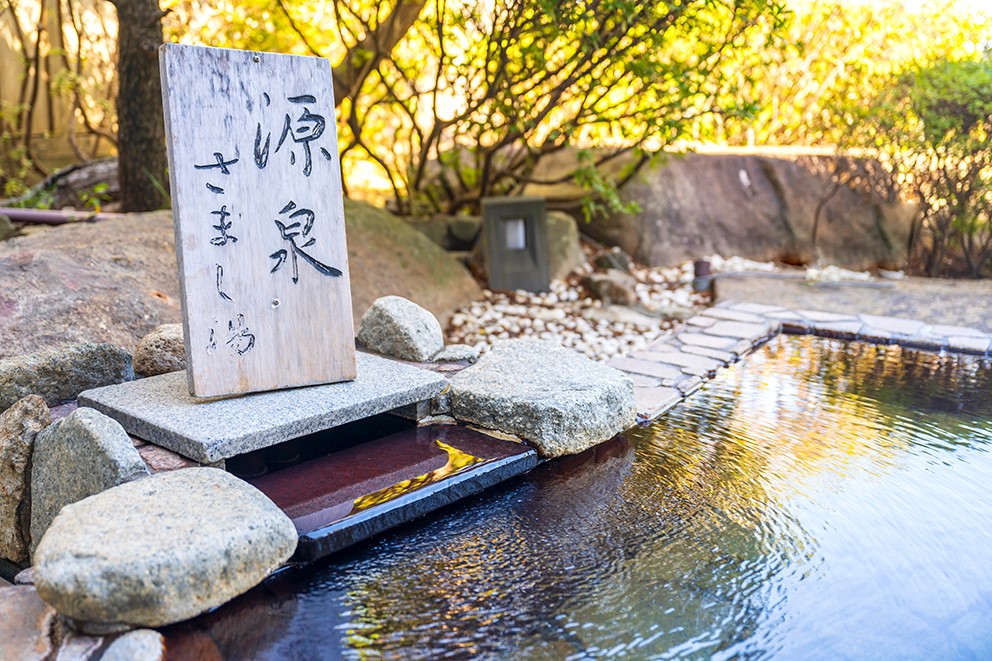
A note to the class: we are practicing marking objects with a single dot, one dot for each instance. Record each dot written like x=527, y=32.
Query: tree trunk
x=141, y=127
x=365, y=56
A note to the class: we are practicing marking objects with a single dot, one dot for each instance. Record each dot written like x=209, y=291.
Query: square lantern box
x=516, y=236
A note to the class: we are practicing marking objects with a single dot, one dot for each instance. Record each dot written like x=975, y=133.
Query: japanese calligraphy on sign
x=257, y=203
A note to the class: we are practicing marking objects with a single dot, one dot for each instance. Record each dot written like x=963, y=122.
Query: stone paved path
x=677, y=364
x=936, y=301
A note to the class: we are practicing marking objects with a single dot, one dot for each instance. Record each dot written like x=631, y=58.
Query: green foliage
x=931, y=125
x=492, y=98
x=15, y=163
x=93, y=198
x=833, y=52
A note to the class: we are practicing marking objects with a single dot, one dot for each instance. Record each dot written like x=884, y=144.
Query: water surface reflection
x=822, y=500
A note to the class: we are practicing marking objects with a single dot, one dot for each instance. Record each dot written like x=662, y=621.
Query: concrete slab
x=160, y=410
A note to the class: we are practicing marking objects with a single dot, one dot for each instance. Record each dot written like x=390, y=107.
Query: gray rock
x=613, y=258
x=18, y=427
x=614, y=286
x=434, y=228
x=161, y=351
x=396, y=327
x=78, y=456
x=464, y=231
x=756, y=206
x=140, y=645
x=160, y=550
x=59, y=375
x=560, y=401
x=564, y=250
x=622, y=314
x=77, y=647
x=454, y=353
x=26, y=624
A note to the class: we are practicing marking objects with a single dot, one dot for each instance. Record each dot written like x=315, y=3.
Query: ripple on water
x=821, y=500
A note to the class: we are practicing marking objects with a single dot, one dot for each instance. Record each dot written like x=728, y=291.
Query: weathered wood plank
x=260, y=238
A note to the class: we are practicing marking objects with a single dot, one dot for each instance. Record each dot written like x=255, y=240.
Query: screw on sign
x=259, y=219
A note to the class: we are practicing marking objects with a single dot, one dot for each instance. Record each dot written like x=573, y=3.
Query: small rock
x=160, y=460
x=161, y=351
x=59, y=375
x=454, y=353
x=140, y=645
x=76, y=647
x=614, y=286
x=613, y=258
x=19, y=425
x=7, y=228
x=396, y=327
x=620, y=314
x=26, y=624
x=160, y=550
x=83, y=454
x=25, y=577
x=559, y=400
x=463, y=231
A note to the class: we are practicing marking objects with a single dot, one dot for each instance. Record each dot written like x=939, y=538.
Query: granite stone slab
x=724, y=357
x=728, y=314
x=159, y=409
x=708, y=341
x=701, y=321
x=740, y=330
x=841, y=330
x=683, y=360
x=652, y=402
x=968, y=344
x=645, y=367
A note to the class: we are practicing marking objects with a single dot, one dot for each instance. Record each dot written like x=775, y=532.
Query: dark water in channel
x=823, y=500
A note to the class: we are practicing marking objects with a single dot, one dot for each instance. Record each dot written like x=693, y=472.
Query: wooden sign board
x=259, y=219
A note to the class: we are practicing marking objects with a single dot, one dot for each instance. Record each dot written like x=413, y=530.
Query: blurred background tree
x=442, y=102
x=930, y=126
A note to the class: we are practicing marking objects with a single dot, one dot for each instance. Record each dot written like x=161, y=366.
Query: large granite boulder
x=116, y=280
x=59, y=375
x=78, y=456
x=19, y=425
x=388, y=257
x=554, y=398
x=160, y=550
x=396, y=327
x=161, y=351
x=755, y=206
x=110, y=281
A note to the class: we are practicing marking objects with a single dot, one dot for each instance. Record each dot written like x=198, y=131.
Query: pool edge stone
x=715, y=339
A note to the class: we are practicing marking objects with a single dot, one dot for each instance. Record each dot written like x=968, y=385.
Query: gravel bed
x=569, y=316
